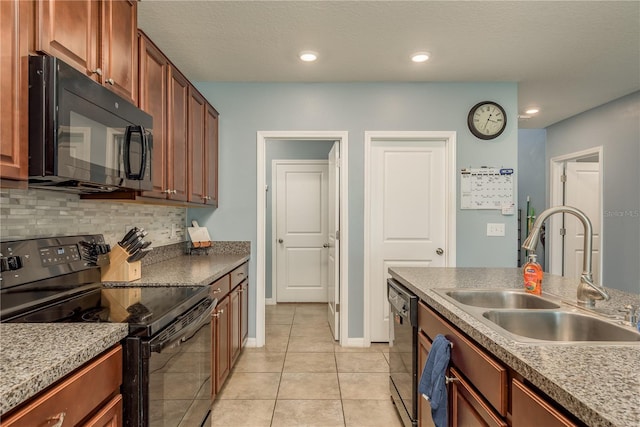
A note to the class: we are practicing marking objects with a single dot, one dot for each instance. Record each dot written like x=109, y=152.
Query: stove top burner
x=50, y=315
x=98, y=314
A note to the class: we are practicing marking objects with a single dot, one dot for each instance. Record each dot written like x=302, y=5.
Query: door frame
x=556, y=198
x=261, y=139
x=274, y=247
x=370, y=137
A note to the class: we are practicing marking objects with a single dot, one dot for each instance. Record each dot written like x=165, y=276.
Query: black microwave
x=84, y=138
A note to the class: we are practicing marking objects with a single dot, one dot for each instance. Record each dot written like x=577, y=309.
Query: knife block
x=119, y=270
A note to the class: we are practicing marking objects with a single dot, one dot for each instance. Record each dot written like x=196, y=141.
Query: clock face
x=487, y=120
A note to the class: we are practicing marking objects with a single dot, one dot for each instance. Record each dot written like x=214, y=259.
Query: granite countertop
x=35, y=355
x=185, y=270
x=598, y=383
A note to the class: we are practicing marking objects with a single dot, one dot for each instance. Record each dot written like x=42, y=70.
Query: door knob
x=326, y=245
x=439, y=251
x=280, y=241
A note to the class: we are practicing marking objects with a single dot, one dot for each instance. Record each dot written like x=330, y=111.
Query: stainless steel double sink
x=538, y=319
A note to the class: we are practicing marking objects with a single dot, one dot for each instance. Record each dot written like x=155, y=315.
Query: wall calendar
x=487, y=188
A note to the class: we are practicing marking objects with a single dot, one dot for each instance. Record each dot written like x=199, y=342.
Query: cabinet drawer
x=239, y=274
x=76, y=396
x=220, y=287
x=468, y=407
x=487, y=375
x=530, y=409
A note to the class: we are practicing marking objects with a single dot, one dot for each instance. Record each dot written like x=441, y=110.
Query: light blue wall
x=616, y=127
x=531, y=178
x=280, y=150
x=246, y=108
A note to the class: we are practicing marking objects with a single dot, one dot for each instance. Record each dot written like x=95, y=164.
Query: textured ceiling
x=566, y=57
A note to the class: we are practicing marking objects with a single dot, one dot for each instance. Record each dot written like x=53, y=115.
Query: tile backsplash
x=40, y=213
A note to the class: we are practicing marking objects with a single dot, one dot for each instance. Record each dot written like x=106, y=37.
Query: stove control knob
x=10, y=263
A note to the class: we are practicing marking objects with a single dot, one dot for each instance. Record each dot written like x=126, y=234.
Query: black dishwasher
x=403, y=351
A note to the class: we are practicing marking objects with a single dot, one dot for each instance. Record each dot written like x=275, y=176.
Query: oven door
x=167, y=378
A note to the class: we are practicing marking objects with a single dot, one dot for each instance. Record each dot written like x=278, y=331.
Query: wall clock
x=487, y=120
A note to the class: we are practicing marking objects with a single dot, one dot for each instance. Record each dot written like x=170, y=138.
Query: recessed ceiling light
x=420, y=56
x=532, y=110
x=308, y=56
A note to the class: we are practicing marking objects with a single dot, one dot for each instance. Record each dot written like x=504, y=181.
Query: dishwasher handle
x=403, y=302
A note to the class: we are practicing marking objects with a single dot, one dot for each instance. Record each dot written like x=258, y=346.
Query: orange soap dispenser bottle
x=532, y=273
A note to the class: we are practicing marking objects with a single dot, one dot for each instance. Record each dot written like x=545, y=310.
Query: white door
x=582, y=191
x=408, y=216
x=333, y=244
x=301, y=231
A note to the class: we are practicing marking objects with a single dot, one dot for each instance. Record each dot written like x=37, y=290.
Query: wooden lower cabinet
x=244, y=309
x=468, y=408
x=528, y=409
x=109, y=416
x=482, y=391
x=68, y=401
x=236, y=315
x=221, y=350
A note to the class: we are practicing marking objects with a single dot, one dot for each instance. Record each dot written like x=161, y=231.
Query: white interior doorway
x=576, y=180
x=300, y=220
x=261, y=187
x=410, y=210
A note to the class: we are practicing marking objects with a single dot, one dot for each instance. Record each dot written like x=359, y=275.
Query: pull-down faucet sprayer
x=588, y=291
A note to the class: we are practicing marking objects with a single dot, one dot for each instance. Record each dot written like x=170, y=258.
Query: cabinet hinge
x=337, y=234
x=563, y=231
x=563, y=178
x=337, y=307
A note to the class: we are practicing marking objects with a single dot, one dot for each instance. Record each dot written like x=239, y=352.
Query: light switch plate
x=495, y=229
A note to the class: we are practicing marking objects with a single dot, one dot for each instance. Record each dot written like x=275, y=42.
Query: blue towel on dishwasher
x=432, y=382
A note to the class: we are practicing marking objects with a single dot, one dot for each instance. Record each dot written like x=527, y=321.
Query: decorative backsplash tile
x=28, y=214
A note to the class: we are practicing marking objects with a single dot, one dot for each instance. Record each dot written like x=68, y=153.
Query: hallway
x=303, y=378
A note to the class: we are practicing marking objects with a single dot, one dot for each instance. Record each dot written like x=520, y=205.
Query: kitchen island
x=599, y=383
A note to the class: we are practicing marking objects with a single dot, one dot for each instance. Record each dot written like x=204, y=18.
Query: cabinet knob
x=110, y=81
x=167, y=191
x=174, y=191
x=97, y=71
x=449, y=380
x=217, y=291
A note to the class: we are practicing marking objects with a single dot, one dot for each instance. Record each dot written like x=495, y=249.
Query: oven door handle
x=169, y=339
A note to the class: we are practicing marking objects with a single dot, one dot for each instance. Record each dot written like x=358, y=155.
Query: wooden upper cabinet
x=196, y=146
x=120, y=47
x=69, y=30
x=177, y=132
x=14, y=142
x=99, y=38
x=153, y=77
x=211, y=156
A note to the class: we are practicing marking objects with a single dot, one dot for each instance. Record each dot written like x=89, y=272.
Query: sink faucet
x=588, y=291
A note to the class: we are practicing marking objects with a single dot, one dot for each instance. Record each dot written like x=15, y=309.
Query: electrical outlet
x=495, y=229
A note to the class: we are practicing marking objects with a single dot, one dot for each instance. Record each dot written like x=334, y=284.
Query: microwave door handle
x=127, y=146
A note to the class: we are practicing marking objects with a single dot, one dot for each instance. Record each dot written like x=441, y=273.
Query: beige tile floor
x=301, y=377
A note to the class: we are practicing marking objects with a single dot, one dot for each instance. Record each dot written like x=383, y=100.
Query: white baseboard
x=270, y=301
x=251, y=342
x=355, y=342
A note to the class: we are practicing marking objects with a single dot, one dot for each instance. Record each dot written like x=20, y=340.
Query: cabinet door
x=69, y=30
x=119, y=33
x=197, y=108
x=154, y=69
x=211, y=156
x=528, y=409
x=222, y=351
x=14, y=144
x=236, y=315
x=109, y=416
x=244, y=310
x=424, y=409
x=468, y=408
x=177, y=124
